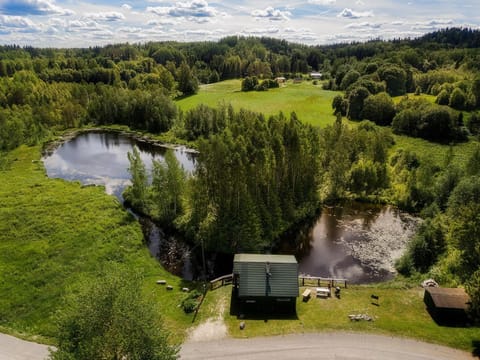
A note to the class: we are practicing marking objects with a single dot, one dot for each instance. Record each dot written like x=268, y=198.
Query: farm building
x=268, y=281
x=447, y=305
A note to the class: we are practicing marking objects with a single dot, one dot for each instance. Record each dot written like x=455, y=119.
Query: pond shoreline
x=50, y=146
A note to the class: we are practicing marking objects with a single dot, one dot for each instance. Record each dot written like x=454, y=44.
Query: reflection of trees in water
x=298, y=240
x=171, y=251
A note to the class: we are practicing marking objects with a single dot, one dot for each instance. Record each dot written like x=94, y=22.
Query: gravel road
x=335, y=346
x=12, y=348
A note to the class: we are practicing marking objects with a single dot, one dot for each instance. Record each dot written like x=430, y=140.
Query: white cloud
x=162, y=22
x=261, y=31
x=322, y=2
x=126, y=7
x=359, y=3
x=271, y=14
x=432, y=25
x=32, y=7
x=398, y=23
x=106, y=16
x=197, y=11
x=351, y=14
x=364, y=25
x=19, y=22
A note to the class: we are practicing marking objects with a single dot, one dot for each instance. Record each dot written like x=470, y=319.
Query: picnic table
x=323, y=292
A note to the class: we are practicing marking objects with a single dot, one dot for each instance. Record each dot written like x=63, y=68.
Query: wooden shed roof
x=449, y=298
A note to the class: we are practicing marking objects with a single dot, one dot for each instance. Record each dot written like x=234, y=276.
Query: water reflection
x=100, y=158
x=359, y=242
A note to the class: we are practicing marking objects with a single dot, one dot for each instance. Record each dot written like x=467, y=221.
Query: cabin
x=447, y=305
x=315, y=76
x=266, y=282
x=280, y=80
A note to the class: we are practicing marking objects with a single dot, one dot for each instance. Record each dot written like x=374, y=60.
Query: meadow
x=310, y=102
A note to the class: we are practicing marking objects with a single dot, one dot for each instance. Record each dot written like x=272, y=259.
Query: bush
x=249, y=83
x=404, y=265
x=457, y=99
x=190, y=302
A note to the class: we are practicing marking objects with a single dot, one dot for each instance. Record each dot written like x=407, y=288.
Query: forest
x=259, y=176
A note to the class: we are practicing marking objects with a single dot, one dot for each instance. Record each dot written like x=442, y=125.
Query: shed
x=447, y=304
x=266, y=279
x=315, y=75
x=280, y=79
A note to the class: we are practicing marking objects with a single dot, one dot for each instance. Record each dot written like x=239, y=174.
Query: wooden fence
x=332, y=282
x=222, y=280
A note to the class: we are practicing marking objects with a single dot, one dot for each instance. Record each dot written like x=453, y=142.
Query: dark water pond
x=355, y=241
x=100, y=158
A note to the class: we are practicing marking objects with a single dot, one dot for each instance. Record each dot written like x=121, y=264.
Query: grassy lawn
x=54, y=233
x=312, y=104
x=412, y=96
x=401, y=312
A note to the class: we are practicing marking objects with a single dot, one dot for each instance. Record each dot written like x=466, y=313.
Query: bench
x=306, y=294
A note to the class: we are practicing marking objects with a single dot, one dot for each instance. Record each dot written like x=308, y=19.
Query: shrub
x=190, y=302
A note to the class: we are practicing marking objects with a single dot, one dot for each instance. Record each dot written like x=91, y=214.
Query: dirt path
x=12, y=348
x=335, y=346
x=212, y=329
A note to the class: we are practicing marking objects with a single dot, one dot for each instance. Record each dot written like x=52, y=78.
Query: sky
x=68, y=23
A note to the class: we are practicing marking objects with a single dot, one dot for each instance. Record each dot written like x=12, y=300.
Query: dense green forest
x=257, y=177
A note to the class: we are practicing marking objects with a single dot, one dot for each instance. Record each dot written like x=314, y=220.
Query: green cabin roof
x=266, y=275
x=279, y=259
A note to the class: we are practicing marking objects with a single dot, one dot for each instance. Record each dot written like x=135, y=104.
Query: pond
x=355, y=241
x=101, y=158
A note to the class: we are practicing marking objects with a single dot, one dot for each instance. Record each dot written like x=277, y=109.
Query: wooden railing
x=332, y=282
x=222, y=280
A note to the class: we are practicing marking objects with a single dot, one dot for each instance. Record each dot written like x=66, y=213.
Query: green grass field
x=312, y=104
x=401, y=312
x=54, y=233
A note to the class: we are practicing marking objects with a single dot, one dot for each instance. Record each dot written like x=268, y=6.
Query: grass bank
x=401, y=312
x=54, y=233
x=312, y=104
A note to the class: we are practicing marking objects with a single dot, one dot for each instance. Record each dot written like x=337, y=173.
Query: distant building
x=447, y=305
x=315, y=75
x=280, y=79
x=266, y=281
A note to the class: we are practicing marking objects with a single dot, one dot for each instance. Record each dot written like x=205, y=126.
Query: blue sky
x=68, y=23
